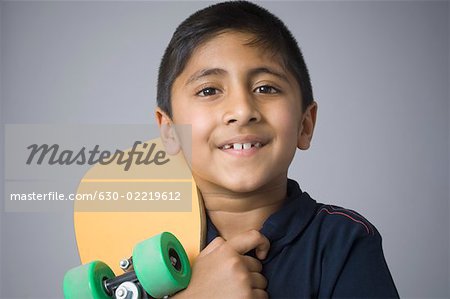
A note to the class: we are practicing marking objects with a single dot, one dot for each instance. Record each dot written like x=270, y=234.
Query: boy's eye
x=205, y=92
x=266, y=89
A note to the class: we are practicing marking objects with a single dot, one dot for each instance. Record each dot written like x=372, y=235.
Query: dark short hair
x=242, y=16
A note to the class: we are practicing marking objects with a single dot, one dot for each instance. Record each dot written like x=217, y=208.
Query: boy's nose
x=241, y=110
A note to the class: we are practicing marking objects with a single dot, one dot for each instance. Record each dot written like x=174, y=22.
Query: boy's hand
x=222, y=270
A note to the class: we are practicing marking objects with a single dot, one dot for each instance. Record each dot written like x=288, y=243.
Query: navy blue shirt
x=323, y=251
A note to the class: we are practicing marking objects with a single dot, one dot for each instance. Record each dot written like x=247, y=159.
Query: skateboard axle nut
x=128, y=290
x=124, y=264
x=121, y=293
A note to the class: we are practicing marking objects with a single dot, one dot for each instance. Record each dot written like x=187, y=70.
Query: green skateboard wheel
x=161, y=265
x=86, y=281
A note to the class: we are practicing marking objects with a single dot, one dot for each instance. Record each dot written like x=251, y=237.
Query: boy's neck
x=234, y=213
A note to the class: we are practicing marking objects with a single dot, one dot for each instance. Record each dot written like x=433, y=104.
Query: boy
x=234, y=72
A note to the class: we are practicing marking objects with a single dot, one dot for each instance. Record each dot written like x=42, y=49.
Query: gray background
x=380, y=72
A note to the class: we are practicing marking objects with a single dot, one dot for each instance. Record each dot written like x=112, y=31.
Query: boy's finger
x=259, y=294
x=247, y=241
x=258, y=281
x=263, y=250
x=252, y=264
x=213, y=245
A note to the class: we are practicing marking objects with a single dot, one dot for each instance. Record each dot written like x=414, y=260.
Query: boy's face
x=245, y=111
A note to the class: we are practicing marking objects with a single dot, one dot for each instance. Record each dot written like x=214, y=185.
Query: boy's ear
x=168, y=133
x=307, y=125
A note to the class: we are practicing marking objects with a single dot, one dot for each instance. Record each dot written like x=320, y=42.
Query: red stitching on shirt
x=348, y=216
x=356, y=214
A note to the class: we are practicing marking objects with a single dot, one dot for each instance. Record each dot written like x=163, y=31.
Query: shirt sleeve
x=365, y=273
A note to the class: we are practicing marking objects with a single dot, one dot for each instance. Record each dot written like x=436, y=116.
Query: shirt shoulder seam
x=348, y=214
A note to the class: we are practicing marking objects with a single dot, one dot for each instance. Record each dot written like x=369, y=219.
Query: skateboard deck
x=132, y=205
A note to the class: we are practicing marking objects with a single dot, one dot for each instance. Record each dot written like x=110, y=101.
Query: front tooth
x=247, y=145
x=237, y=146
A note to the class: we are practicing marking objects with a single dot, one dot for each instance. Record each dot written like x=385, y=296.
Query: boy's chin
x=235, y=184
x=242, y=186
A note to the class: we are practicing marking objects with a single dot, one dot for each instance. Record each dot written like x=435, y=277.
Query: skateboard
x=134, y=222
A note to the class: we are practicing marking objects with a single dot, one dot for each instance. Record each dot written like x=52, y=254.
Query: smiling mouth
x=241, y=146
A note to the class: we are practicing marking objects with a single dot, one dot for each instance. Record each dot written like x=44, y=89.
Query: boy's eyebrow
x=270, y=71
x=203, y=73
x=253, y=72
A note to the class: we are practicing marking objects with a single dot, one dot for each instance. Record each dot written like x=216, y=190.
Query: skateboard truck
x=125, y=286
x=158, y=267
